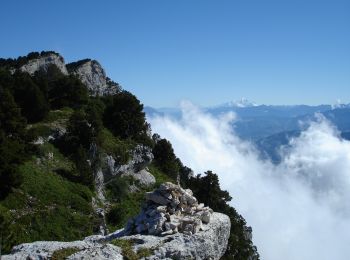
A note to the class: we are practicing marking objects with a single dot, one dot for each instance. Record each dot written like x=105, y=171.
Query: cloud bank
x=298, y=209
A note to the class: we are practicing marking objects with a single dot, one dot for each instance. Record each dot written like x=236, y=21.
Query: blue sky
x=209, y=52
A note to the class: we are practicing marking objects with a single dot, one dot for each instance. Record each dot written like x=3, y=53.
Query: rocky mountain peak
x=92, y=74
x=42, y=63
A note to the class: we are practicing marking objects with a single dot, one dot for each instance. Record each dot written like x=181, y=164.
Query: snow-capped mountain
x=243, y=102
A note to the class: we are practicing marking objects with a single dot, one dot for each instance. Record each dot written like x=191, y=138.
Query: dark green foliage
x=47, y=77
x=124, y=116
x=67, y=91
x=79, y=134
x=27, y=94
x=118, y=188
x=22, y=60
x=31, y=99
x=11, y=121
x=115, y=215
x=207, y=190
x=11, y=154
x=185, y=173
x=85, y=173
x=76, y=143
x=12, y=147
x=165, y=159
x=79, y=130
x=94, y=113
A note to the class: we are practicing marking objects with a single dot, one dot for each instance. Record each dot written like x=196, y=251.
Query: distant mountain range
x=270, y=126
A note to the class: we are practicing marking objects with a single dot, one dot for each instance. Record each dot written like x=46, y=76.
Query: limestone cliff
x=90, y=72
x=93, y=76
x=43, y=62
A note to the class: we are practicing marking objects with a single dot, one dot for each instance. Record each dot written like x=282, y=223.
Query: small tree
x=207, y=190
x=124, y=116
x=67, y=91
x=86, y=176
x=165, y=159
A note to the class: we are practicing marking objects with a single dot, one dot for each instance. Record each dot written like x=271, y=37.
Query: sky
x=209, y=52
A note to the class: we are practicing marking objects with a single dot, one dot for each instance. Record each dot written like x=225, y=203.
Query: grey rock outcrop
x=43, y=250
x=209, y=243
x=91, y=73
x=43, y=63
x=141, y=157
x=199, y=233
x=136, y=167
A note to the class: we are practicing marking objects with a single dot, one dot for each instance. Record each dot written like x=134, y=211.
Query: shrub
x=165, y=159
x=124, y=116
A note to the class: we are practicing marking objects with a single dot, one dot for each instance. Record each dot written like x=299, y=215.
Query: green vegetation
x=159, y=175
x=64, y=253
x=115, y=146
x=125, y=118
x=58, y=115
x=46, y=207
x=165, y=158
x=128, y=252
x=207, y=190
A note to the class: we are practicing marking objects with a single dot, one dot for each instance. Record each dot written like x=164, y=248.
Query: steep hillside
x=77, y=156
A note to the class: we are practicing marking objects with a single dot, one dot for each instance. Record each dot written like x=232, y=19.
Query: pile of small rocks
x=168, y=210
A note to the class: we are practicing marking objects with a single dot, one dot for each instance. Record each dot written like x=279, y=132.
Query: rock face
x=93, y=76
x=43, y=63
x=136, y=167
x=90, y=72
x=171, y=225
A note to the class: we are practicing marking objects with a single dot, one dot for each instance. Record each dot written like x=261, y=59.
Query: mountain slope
x=77, y=155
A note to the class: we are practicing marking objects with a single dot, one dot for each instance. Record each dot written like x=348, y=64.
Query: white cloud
x=298, y=209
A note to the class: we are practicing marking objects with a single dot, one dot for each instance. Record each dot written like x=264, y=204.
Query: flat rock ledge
x=171, y=225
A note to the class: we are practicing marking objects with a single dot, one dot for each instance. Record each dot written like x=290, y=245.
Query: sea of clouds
x=298, y=209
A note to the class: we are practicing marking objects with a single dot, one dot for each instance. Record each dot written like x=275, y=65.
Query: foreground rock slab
x=209, y=243
x=171, y=225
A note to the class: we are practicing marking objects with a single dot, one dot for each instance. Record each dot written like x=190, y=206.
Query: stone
x=205, y=217
x=157, y=198
x=91, y=73
x=43, y=63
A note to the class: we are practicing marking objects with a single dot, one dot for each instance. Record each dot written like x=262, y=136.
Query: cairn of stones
x=168, y=210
